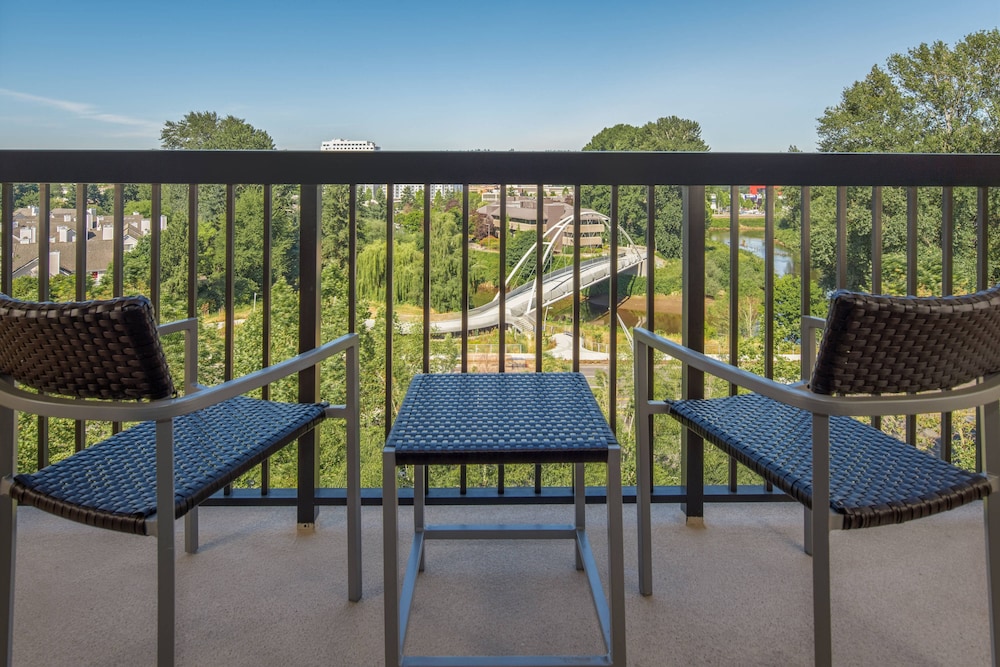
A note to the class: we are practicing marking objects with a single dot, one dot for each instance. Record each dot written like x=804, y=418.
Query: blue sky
x=456, y=75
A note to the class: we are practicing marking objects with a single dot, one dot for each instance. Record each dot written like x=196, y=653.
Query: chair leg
x=820, y=530
x=8, y=550
x=616, y=558
x=807, y=537
x=165, y=582
x=580, y=506
x=8, y=529
x=992, y=521
x=390, y=557
x=990, y=427
x=191, y=531
x=644, y=476
x=419, y=518
x=353, y=475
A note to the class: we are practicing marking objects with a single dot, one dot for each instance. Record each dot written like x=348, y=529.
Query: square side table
x=497, y=418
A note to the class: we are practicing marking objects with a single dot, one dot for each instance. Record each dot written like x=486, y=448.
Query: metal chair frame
x=162, y=412
x=820, y=519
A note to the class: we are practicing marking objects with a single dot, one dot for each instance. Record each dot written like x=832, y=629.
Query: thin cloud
x=83, y=110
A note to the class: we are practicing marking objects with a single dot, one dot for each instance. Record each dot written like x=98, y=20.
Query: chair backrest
x=93, y=349
x=888, y=344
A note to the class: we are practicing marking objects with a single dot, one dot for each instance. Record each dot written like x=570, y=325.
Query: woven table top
x=452, y=418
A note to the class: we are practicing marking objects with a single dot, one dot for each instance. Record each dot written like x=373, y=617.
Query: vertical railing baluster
x=465, y=279
x=352, y=260
x=876, y=240
x=118, y=254
x=734, y=303
x=118, y=242
x=693, y=337
x=841, y=237
x=577, y=255
x=310, y=307
x=502, y=312
x=539, y=242
x=539, y=295
x=876, y=421
x=805, y=271
x=426, y=366
x=265, y=343
x=947, y=287
x=156, y=235
x=192, y=257
x=650, y=294
x=502, y=285
x=390, y=204
x=463, y=469
x=911, y=280
x=44, y=229
x=230, y=280
x=7, y=239
x=769, y=341
x=80, y=277
x=982, y=282
x=229, y=299
x=613, y=316
x=982, y=238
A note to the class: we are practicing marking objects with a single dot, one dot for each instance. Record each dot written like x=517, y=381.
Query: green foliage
x=665, y=134
x=206, y=131
x=669, y=133
x=933, y=99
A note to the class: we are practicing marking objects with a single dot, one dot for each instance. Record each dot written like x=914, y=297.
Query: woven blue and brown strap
x=113, y=483
x=92, y=349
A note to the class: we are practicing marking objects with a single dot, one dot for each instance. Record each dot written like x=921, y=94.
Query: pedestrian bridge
x=521, y=302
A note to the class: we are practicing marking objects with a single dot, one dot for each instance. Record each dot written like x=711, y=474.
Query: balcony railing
x=919, y=211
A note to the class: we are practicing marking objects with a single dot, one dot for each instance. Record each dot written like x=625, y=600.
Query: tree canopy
x=669, y=133
x=204, y=130
x=932, y=99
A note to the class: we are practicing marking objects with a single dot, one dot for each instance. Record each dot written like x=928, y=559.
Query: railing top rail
x=606, y=168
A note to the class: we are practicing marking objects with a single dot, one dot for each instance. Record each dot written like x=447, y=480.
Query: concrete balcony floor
x=736, y=592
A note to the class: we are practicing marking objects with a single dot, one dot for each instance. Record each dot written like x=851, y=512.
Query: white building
x=348, y=145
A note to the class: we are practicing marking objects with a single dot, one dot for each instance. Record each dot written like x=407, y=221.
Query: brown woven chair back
x=887, y=344
x=94, y=349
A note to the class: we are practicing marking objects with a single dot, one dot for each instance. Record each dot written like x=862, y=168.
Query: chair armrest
x=189, y=327
x=807, y=343
x=798, y=395
x=55, y=406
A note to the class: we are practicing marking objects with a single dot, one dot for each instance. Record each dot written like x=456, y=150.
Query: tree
x=205, y=131
x=669, y=133
x=932, y=99
x=664, y=134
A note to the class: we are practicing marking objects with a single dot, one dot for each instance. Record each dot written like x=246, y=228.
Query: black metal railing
x=814, y=198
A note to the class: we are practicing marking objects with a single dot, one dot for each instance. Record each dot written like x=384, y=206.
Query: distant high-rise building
x=348, y=145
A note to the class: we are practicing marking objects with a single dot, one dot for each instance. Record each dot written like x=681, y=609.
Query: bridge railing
x=252, y=244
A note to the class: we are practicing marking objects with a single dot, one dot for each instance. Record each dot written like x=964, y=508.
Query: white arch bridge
x=556, y=285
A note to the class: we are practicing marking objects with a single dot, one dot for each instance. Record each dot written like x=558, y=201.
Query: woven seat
x=879, y=355
x=875, y=479
x=103, y=360
x=113, y=483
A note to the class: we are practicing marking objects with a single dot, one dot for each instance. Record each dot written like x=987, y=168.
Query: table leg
x=390, y=557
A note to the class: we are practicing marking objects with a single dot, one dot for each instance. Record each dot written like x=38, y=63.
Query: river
x=753, y=242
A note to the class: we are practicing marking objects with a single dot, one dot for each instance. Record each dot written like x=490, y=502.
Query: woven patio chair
x=879, y=355
x=103, y=360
